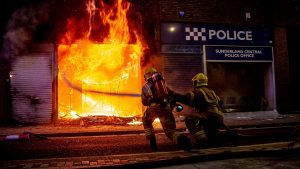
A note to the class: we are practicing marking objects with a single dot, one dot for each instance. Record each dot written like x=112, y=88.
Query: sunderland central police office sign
x=238, y=53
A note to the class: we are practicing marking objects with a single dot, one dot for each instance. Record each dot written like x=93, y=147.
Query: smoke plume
x=21, y=27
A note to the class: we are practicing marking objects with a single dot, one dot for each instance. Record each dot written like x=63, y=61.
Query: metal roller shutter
x=180, y=69
x=31, y=87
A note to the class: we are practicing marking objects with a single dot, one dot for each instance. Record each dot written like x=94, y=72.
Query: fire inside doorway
x=100, y=77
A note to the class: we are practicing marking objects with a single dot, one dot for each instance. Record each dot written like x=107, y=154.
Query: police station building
x=250, y=62
x=238, y=61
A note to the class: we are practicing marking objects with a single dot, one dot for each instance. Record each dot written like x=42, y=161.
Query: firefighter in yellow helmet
x=155, y=97
x=207, y=119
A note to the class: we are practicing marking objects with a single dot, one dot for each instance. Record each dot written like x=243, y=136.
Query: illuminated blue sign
x=206, y=34
x=234, y=53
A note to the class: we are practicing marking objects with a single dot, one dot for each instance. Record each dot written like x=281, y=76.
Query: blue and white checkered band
x=194, y=34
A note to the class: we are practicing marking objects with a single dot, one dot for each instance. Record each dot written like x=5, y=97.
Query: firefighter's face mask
x=147, y=76
x=194, y=83
x=149, y=72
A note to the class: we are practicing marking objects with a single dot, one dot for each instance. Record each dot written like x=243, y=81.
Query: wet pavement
x=158, y=159
x=284, y=162
x=232, y=120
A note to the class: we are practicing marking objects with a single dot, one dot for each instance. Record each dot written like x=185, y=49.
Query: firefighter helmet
x=200, y=79
x=149, y=72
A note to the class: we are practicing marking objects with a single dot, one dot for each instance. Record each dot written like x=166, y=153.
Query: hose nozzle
x=179, y=107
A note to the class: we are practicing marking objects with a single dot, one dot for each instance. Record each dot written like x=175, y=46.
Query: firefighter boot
x=184, y=143
x=153, y=144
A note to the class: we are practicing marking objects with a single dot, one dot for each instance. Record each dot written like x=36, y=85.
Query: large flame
x=111, y=66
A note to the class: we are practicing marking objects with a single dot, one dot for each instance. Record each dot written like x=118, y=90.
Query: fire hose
x=79, y=89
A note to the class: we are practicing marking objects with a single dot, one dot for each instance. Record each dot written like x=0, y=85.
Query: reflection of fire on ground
x=109, y=66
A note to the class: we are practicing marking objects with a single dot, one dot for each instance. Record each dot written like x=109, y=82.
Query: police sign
x=194, y=34
x=205, y=34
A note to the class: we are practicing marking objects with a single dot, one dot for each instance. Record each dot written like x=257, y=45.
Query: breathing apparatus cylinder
x=161, y=91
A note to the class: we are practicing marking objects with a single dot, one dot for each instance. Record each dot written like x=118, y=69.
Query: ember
x=101, y=79
x=109, y=120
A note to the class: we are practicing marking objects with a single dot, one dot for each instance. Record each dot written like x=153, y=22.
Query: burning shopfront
x=101, y=79
x=93, y=70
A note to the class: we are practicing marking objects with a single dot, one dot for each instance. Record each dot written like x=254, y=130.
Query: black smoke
x=24, y=24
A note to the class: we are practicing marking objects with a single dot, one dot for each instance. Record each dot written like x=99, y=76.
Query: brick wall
x=209, y=11
x=279, y=12
x=281, y=70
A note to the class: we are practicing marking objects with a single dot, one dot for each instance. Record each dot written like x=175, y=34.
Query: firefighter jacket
x=203, y=100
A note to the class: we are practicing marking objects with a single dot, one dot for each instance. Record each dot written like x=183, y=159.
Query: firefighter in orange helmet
x=154, y=96
x=207, y=119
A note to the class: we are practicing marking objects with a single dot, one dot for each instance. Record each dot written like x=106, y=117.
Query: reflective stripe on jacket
x=147, y=94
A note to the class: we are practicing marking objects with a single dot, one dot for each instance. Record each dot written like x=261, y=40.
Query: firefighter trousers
x=167, y=121
x=205, y=128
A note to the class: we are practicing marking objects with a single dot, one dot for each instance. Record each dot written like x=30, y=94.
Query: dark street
x=83, y=146
x=58, y=147
x=132, y=151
